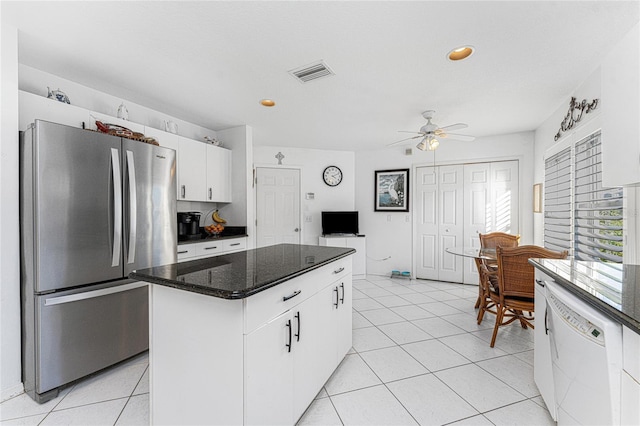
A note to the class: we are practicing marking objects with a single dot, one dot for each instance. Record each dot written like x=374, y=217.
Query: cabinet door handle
x=211, y=248
x=210, y=194
x=342, y=298
x=337, y=271
x=288, y=345
x=183, y=191
x=337, y=297
x=291, y=296
x=546, y=327
x=540, y=282
x=298, y=333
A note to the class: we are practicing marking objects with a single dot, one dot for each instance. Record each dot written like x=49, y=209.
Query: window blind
x=557, y=201
x=597, y=210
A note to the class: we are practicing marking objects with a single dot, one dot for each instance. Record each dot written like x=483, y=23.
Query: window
x=580, y=215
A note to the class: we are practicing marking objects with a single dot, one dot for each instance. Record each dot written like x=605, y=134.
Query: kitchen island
x=249, y=337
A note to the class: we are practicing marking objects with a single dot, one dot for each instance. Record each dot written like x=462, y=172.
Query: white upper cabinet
x=620, y=112
x=218, y=174
x=192, y=170
x=167, y=140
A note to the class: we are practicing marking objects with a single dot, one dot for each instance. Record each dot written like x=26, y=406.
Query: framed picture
x=537, y=198
x=392, y=190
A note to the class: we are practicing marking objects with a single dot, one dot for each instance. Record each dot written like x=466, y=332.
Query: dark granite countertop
x=239, y=275
x=613, y=289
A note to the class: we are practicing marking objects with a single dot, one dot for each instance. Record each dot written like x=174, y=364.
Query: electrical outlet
x=388, y=218
x=308, y=218
x=407, y=218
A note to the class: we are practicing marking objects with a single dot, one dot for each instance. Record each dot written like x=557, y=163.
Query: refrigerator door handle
x=133, y=207
x=92, y=294
x=117, y=207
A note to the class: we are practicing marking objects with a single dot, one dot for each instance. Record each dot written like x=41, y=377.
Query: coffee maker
x=188, y=225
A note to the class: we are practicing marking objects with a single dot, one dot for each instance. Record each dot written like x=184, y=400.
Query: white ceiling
x=211, y=62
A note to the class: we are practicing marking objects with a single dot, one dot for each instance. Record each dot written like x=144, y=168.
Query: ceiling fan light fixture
x=460, y=53
x=433, y=144
x=422, y=146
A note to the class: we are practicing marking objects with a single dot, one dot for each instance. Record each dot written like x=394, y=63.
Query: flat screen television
x=345, y=223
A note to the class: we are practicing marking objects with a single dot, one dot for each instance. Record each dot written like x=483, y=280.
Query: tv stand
x=357, y=242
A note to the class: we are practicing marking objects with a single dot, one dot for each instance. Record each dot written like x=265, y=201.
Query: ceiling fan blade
x=457, y=126
x=456, y=137
x=406, y=131
x=406, y=139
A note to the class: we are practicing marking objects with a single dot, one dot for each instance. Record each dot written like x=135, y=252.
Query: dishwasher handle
x=540, y=282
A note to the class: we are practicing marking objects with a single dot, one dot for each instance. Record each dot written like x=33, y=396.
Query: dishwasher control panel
x=577, y=321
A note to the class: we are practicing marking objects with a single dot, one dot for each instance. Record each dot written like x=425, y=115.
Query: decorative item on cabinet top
x=116, y=130
x=213, y=141
x=58, y=95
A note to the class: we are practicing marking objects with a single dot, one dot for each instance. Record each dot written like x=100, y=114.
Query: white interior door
x=426, y=201
x=277, y=206
x=451, y=187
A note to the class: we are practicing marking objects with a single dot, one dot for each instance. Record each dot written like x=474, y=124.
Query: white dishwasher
x=586, y=355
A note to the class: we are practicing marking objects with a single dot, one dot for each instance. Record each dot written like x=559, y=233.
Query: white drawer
x=186, y=251
x=262, y=307
x=210, y=248
x=234, y=244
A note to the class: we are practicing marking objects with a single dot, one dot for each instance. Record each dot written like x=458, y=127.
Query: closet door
x=450, y=209
x=426, y=202
x=504, y=197
x=477, y=212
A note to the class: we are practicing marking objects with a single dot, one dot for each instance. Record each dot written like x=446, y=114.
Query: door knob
x=296, y=230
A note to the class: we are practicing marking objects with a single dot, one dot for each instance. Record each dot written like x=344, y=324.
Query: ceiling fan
x=430, y=133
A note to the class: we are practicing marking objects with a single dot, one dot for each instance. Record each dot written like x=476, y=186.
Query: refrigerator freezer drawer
x=81, y=332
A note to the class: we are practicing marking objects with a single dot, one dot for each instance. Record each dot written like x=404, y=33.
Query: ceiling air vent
x=311, y=72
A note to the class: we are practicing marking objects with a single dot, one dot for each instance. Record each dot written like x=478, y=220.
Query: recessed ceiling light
x=267, y=102
x=460, y=53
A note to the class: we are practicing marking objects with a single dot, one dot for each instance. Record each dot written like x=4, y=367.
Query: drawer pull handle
x=234, y=244
x=342, y=298
x=298, y=333
x=211, y=248
x=337, y=297
x=288, y=345
x=291, y=296
x=339, y=270
x=183, y=252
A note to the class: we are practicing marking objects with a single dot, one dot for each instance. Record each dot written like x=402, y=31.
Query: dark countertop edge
x=233, y=295
x=211, y=239
x=590, y=299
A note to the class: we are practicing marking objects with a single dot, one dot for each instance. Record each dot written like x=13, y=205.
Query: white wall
x=10, y=381
x=544, y=137
x=394, y=238
x=312, y=163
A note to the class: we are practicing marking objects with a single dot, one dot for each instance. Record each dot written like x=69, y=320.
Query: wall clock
x=332, y=176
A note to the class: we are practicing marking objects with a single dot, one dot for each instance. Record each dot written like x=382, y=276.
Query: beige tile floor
x=418, y=357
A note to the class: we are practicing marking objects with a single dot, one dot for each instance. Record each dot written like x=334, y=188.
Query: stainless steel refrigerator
x=93, y=207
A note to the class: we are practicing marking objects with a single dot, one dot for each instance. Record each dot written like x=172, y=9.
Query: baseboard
x=11, y=392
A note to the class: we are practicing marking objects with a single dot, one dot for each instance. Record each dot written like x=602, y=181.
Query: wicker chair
x=514, y=294
x=491, y=240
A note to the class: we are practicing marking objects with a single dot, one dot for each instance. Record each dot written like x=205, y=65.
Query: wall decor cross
x=279, y=156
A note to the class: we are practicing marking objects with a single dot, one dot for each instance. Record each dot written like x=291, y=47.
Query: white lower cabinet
x=264, y=358
x=281, y=375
